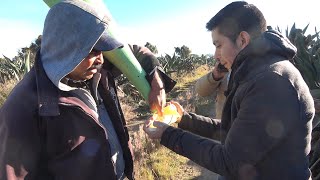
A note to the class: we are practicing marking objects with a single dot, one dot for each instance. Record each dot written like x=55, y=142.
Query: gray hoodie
x=71, y=29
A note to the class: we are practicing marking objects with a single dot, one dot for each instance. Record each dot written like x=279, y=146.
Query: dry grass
x=191, y=77
x=165, y=163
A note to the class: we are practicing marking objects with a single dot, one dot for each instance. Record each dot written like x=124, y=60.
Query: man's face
x=226, y=50
x=88, y=67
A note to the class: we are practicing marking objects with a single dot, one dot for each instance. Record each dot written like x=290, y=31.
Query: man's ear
x=243, y=39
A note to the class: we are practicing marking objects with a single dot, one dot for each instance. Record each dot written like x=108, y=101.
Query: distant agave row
x=183, y=61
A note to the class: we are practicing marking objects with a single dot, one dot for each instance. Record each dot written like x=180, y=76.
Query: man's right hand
x=218, y=73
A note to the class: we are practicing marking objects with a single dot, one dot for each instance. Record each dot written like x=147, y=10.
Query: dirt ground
x=195, y=172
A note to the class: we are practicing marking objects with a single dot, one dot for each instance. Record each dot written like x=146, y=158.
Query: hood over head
x=71, y=30
x=270, y=42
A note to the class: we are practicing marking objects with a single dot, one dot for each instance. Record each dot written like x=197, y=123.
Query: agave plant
x=5, y=72
x=169, y=63
x=183, y=61
x=10, y=69
x=14, y=69
x=307, y=59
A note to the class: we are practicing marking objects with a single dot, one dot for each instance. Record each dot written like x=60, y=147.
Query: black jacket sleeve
x=200, y=125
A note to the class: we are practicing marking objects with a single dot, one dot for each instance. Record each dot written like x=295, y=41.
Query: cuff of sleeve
x=167, y=81
x=211, y=79
x=184, y=120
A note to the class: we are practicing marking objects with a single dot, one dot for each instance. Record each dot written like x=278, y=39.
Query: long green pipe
x=122, y=58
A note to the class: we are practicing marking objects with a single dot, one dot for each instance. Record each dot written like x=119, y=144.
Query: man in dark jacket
x=265, y=129
x=64, y=120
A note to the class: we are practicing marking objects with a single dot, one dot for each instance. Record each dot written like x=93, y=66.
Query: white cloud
x=15, y=35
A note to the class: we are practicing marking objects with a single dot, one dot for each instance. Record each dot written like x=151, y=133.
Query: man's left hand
x=155, y=129
x=157, y=95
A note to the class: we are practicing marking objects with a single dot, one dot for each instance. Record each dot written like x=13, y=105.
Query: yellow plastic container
x=170, y=116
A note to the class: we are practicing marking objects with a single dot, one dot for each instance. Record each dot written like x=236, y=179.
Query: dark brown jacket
x=265, y=130
x=49, y=134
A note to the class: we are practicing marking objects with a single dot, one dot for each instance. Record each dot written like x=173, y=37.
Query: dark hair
x=236, y=17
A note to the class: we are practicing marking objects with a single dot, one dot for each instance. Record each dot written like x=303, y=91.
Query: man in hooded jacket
x=64, y=120
x=265, y=129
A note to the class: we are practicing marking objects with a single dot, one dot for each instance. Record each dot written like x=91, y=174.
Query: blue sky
x=164, y=23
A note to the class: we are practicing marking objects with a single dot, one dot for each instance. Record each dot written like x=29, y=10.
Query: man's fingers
x=147, y=125
x=149, y=122
x=149, y=130
x=160, y=110
x=178, y=106
x=157, y=108
x=153, y=108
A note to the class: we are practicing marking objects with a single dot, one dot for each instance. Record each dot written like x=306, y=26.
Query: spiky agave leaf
x=305, y=29
x=14, y=69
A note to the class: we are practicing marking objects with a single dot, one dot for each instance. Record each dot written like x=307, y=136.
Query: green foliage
x=307, y=59
x=8, y=70
x=14, y=69
x=18, y=66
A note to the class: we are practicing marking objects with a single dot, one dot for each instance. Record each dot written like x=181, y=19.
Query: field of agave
x=180, y=63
